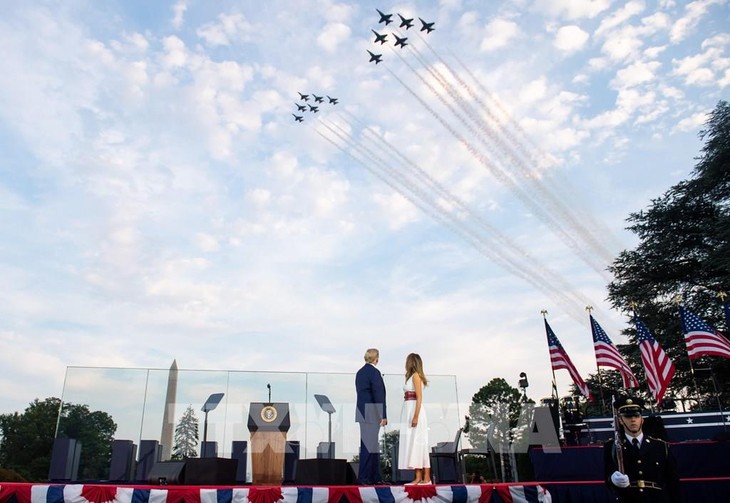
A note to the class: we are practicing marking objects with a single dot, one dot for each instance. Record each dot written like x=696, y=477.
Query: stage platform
x=103, y=493
x=713, y=489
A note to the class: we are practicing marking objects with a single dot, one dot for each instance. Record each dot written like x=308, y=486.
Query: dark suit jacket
x=654, y=462
x=370, y=395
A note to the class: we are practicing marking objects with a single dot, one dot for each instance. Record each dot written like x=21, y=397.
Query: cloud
x=705, y=69
x=570, y=39
x=619, y=18
x=694, y=11
x=332, y=35
x=498, y=33
x=226, y=30
x=636, y=73
x=179, y=14
x=573, y=9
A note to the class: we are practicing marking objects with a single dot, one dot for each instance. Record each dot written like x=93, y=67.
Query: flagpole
x=598, y=369
x=678, y=302
x=633, y=306
x=555, y=383
x=555, y=388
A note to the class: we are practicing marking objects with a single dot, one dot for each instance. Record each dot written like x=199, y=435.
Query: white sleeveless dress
x=413, y=445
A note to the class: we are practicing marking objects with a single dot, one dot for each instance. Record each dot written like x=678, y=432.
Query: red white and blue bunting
x=98, y=493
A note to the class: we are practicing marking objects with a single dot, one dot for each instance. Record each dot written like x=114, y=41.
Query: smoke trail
x=501, y=251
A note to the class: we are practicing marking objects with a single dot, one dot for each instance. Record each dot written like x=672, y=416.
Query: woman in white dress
x=413, y=440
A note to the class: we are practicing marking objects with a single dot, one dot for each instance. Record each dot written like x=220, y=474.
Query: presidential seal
x=268, y=414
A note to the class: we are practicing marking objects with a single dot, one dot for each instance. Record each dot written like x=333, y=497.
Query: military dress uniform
x=651, y=469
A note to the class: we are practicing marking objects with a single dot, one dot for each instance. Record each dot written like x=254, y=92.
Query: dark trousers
x=369, y=470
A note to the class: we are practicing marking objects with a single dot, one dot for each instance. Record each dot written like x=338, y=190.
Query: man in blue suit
x=371, y=416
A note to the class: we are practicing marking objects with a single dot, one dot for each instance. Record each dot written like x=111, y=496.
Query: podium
x=268, y=424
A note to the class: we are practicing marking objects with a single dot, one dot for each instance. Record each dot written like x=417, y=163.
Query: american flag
x=608, y=356
x=560, y=360
x=701, y=338
x=658, y=367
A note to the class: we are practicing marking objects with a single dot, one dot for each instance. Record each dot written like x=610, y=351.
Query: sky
x=159, y=201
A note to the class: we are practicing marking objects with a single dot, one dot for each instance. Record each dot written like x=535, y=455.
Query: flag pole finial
x=543, y=312
x=677, y=299
x=722, y=295
x=589, y=309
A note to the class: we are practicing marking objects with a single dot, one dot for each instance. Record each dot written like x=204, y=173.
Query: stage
x=103, y=493
x=713, y=489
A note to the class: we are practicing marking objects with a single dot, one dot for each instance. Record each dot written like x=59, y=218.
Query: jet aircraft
x=375, y=57
x=427, y=27
x=303, y=97
x=380, y=38
x=313, y=109
x=400, y=41
x=317, y=99
x=405, y=22
x=332, y=100
x=298, y=118
x=301, y=108
x=385, y=18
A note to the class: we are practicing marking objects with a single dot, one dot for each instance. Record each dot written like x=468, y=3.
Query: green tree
x=186, y=436
x=495, y=403
x=27, y=438
x=95, y=430
x=683, y=254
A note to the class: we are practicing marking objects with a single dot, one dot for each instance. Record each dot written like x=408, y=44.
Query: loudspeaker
x=149, y=454
x=239, y=452
x=167, y=473
x=330, y=472
x=326, y=450
x=291, y=457
x=208, y=449
x=123, y=463
x=211, y=472
x=65, y=459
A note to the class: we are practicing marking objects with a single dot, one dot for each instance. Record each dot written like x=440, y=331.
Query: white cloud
x=226, y=30
x=621, y=46
x=619, y=18
x=573, y=9
x=332, y=35
x=570, y=39
x=498, y=33
x=175, y=55
x=694, y=11
x=179, y=14
x=700, y=69
x=692, y=123
x=636, y=73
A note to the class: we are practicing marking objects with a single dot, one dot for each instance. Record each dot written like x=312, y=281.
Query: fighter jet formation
x=481, y=124
x=405, y=22
x=311, y=108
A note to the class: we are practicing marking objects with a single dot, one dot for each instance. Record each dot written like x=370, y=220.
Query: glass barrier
x=140, y=401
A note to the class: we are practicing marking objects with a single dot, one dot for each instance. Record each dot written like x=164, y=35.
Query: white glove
x=619, y=479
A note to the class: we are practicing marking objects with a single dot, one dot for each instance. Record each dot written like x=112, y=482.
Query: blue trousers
x=369, y=470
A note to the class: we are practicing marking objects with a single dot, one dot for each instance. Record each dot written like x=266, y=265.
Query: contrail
x=498, y=248
x=498, y=149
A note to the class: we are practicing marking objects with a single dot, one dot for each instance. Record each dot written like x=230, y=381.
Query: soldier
x=650, y=472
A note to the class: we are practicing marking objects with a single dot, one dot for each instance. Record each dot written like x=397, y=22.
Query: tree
x=95, y=430
x=186, y=436
x=683, y=253
x=27, y=438
x=497, y=404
